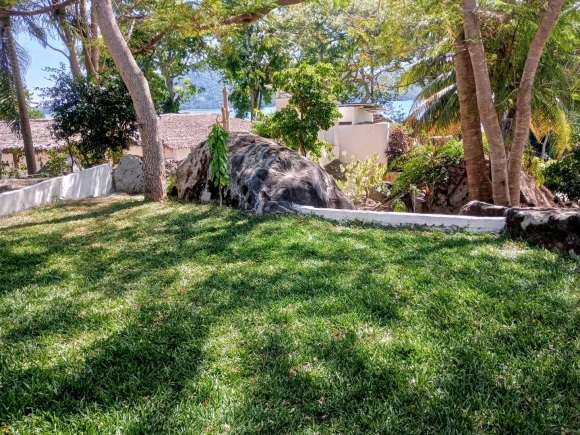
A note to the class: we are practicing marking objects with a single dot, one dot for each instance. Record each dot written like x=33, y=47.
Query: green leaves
x=217, y=144
x=311, y=107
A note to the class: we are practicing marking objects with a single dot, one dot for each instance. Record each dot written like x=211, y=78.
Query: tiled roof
x=180, y=130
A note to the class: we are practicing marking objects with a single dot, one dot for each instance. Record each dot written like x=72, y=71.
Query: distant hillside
x=210, y=94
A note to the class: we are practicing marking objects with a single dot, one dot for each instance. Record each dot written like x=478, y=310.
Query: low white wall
x=93, y=182
x=471, y=223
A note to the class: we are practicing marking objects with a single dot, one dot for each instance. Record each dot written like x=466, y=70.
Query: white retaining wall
x=89, y=183
x=470, y=223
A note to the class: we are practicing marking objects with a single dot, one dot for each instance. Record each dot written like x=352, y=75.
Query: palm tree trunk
x=475, y=164
x=485, y=104
x=20, y=97
x=524, y=101
x=153, y=167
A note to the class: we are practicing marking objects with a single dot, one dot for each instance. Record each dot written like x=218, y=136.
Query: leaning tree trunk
x=153, y=168
x=485, y=104
x=20, y=97
x=475, y=164
x=69, y=42
x=524, y=99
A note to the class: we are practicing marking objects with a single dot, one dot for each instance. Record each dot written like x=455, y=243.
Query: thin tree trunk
x=20, y=97
x=69, y=41
x=153, y=167
x=85, y=30
x=252, y=103
x=524, y=99
x=94, y=38
x=475, y=164
x=485, y=104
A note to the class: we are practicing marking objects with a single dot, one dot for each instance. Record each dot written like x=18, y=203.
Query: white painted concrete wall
x=362, y=141
x=93, y=182
x=471, y=223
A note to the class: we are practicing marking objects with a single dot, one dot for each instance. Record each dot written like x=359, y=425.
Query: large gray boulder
x=551, y=228
x=265, y=177
x=128, y=175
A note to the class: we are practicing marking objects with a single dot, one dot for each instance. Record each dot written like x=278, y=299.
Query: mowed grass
x=127, y=317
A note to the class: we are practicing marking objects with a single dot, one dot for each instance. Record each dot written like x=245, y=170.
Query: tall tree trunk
x=485, y=104
x=524, y=98
x=153, y=163
x=475, y=164
x=20, y=97
x=85, y=31
x=94, y=39
x=69, y=42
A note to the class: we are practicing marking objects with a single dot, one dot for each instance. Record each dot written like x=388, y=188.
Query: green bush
x=217, y=143
x=56, y=164
x=564, y=176
x=426, y=166
x=362, y=176
x=95, y=118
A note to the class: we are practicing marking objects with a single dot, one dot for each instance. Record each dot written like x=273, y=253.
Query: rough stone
x=482, y=209
x=265, y=177
x=128, y=175
x=550, y=228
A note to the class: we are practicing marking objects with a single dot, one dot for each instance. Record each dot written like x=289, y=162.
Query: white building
x=356, y=132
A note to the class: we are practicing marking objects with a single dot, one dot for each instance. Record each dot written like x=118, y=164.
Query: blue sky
x=41, y=58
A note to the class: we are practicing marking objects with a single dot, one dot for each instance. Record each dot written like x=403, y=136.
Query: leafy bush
x=535, y=166
x=264, y=125
x=362, y=176
x=399, y=206
x=56, y=164
x=217, y=143
x=94, y=117
x=399, y=141
x=564, y=176
x=426, y=166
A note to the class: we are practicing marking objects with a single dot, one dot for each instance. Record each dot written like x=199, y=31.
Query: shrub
x=362, y=176
x=217, y=143
x=564, y=176
x=56, y=164
x=426, y=166
x=399, y=141
x=94, y=117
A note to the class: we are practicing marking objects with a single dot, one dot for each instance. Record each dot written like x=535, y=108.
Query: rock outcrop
x=550, y=228
x=265, y=177
x=482, y=209
x=128, y=175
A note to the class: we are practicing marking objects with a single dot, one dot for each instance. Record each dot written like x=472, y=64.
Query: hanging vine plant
x=217, y=143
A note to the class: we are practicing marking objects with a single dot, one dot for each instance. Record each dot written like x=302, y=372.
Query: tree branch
x=6, y=12
x=249, y=18
x=245, y=19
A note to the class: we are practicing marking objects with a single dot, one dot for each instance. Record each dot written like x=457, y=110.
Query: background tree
x=96, y=119
x=314, y=90
x=165, y=67
x=248, y=57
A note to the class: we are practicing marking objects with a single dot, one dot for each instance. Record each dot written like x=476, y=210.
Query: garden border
x=492, y=225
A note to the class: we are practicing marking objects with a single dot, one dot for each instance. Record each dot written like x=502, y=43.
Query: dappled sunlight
x=182, y=318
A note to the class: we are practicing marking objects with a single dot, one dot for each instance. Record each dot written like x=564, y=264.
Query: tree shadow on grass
x=306, y=362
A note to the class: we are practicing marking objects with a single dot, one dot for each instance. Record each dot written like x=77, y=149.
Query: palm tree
x=438, y=110
x=14, y=87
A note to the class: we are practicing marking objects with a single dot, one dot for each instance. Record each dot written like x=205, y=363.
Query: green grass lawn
x=126, y=317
